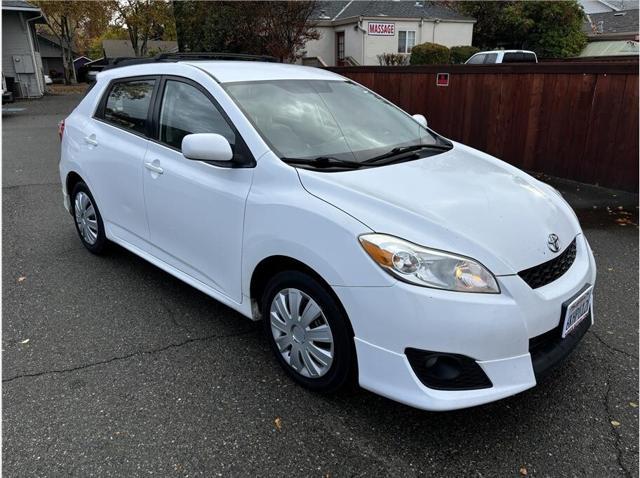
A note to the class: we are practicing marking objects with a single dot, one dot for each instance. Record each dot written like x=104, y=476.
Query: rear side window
x=476, y=59
x=186, y=110
x=490, y=58
x=519, y=57
x=127, y=104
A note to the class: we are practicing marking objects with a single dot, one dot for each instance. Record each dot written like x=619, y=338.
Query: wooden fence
x=572, y=120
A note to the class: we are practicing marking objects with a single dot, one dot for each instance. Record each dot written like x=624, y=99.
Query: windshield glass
x=316, y=118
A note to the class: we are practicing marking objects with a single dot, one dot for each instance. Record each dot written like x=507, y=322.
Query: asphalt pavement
x=111, y=367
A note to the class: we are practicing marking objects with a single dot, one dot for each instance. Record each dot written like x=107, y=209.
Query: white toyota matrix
x=372, y=248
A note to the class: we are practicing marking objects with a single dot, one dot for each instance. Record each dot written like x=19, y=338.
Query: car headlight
x=428, y=267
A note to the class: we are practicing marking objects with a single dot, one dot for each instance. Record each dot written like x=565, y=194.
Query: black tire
x=99, y=247
x=342, y=371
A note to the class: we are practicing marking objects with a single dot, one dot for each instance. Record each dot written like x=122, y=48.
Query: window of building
x=128, y=103
x=406, y=41
x=340, y=48
x=186, y=110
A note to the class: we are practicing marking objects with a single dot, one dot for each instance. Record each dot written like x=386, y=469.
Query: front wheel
x=308, y=332
x=88, y=220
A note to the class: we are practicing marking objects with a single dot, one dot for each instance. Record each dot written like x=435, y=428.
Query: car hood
x=461, y=201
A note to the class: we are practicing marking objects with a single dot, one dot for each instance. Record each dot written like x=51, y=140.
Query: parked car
x=502, y=56
x=371, y=247
x=7, y=96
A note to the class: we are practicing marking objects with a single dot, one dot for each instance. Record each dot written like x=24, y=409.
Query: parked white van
x=502, y=56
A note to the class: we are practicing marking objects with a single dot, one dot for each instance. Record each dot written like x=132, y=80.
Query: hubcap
x=302, y=333
x=86, y=218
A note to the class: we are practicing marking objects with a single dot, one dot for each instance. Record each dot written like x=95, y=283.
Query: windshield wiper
x=324, y=162
x=400, y=152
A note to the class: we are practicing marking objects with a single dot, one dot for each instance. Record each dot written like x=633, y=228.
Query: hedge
x=460, y=54
x=429, y=54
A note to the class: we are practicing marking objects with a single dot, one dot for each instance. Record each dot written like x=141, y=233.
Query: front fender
x=283, y=219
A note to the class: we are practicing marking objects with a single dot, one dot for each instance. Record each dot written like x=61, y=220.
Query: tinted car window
x=128, y=104
x=490, y=58
x=476, y=60
x=186, y=110
x=519, y=57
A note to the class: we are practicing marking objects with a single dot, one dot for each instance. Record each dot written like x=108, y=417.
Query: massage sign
x=381, y=29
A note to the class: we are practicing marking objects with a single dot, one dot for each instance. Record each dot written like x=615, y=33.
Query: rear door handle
x=91, y=139
x=154, y=167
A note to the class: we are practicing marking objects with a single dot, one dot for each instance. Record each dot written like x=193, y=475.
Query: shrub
x=429, y=54
x=393, y=59
x=460, y=54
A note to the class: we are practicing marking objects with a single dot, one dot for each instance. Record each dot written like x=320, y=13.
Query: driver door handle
x=154, y=167
x=91, y=139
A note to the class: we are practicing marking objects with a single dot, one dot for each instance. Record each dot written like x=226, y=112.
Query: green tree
x=460, y=54
x=145, y=20
x=429, y=54
x=552, y=29
x=69, y=21
x=279, y=29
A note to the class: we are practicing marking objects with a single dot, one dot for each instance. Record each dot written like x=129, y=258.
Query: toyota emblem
x=553, y=243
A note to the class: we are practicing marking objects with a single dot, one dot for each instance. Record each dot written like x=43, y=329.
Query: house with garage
x=21, y=60
x=356, y=32
x=51, y=54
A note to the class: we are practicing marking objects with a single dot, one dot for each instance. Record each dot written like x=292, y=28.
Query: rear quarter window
x=490, y=58
x=127, y=104
x=476, y=59
x=519, y=57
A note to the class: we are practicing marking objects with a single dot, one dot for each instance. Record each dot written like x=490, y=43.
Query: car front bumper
x=492, y=329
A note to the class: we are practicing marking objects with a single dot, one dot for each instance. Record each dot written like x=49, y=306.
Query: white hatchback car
x=373, y=248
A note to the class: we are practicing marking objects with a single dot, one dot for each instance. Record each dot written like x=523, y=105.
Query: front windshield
x=316, y=118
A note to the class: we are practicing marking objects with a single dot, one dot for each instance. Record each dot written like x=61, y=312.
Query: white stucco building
x=356, y=32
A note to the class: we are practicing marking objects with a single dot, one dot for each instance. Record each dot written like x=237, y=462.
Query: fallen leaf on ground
x=21, y=278
x=278, y=423
x=523, y=471
x=25, y=341
x=633, y=404
x=623, y=221
x=615, y=423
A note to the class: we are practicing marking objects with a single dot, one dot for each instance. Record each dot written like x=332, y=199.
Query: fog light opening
x=445, y=371
x=443, y=367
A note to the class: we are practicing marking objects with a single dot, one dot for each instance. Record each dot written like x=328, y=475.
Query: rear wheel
x=308, y=332
x=87, y=219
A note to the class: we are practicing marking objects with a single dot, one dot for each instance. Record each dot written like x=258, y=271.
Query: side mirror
x=420, y=119
x=206, y=147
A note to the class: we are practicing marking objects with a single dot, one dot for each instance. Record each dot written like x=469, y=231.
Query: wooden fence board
x=577, y=120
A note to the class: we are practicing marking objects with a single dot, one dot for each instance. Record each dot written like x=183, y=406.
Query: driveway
x=112, y=367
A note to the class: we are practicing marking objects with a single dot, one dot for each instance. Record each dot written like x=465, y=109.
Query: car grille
x=549, y=271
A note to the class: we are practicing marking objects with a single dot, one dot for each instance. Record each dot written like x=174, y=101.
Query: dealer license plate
x=577, y=311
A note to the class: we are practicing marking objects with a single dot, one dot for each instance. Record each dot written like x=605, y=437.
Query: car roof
x=225, y=71
x=506, y=51
x=233, y=71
